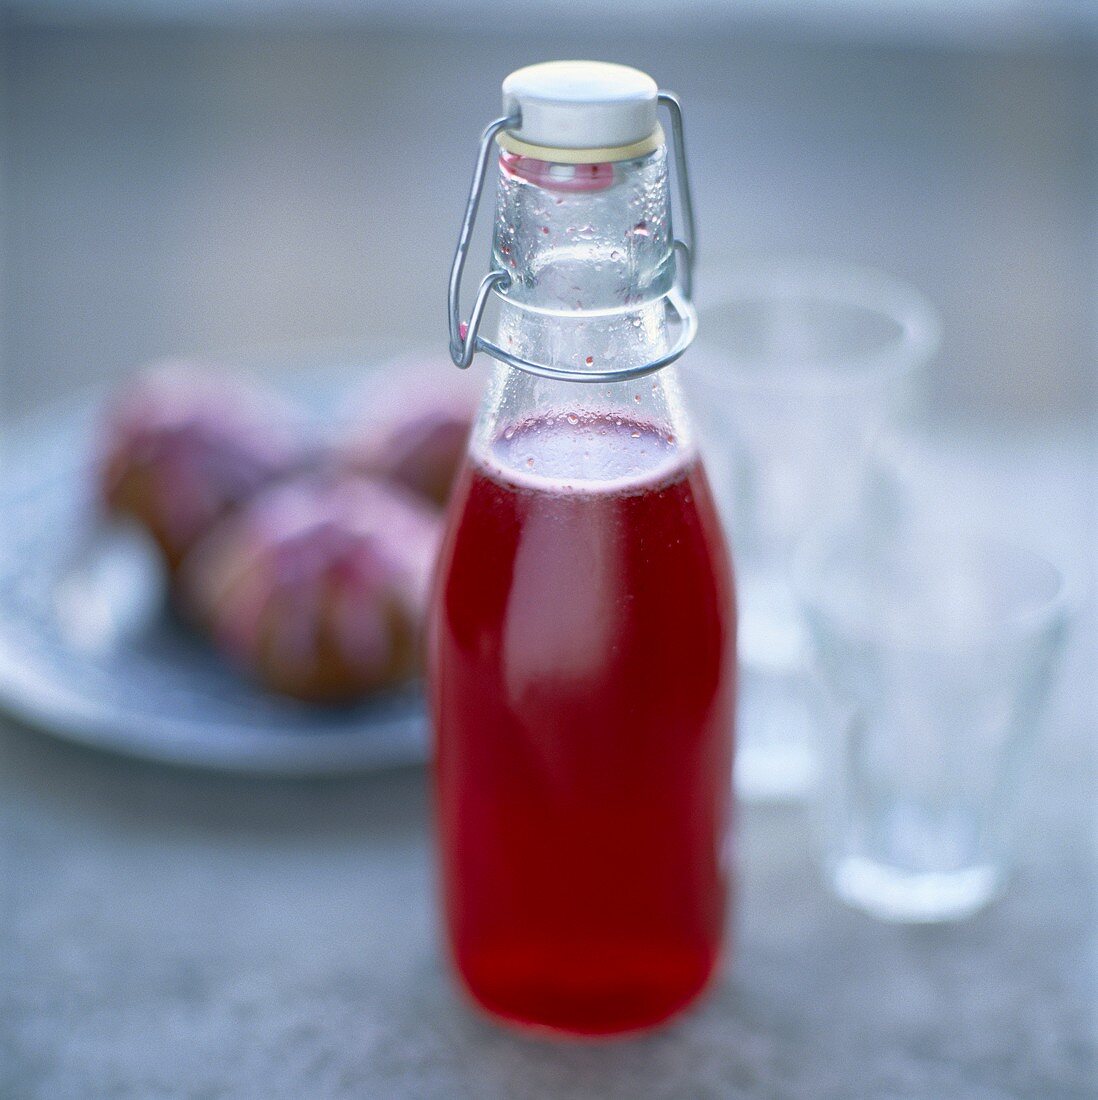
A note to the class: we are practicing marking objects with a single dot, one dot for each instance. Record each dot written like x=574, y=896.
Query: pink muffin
x=318, y=587
x=420, y=448
x=182, y=448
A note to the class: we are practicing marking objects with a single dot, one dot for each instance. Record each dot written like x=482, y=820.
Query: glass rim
x=818, y=552
x=830, y=282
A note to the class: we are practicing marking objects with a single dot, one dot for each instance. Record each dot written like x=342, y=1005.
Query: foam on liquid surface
x=571, y=452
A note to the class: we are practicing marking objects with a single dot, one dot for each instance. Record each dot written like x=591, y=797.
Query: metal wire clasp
x=465, y=340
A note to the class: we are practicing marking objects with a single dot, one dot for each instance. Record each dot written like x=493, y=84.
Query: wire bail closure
x=465, y=339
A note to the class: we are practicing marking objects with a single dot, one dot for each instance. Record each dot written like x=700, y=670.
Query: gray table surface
x=172, y=933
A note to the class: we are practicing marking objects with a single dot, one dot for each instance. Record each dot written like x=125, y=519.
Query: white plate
x=88, y=652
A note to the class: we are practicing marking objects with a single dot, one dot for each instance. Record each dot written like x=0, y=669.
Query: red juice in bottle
x=582, y=639
x=581, y=650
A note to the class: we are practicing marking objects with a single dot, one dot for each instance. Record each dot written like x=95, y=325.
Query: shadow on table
x=114, y=792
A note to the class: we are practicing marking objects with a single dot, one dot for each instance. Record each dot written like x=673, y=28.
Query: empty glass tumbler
x=933, y=652
x=798, y=367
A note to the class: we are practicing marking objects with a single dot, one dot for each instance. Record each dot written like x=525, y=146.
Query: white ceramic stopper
x=581, y=105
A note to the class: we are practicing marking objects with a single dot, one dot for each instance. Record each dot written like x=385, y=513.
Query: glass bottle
x=581, y=658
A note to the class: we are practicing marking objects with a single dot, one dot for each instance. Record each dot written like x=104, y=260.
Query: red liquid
x=582, y=687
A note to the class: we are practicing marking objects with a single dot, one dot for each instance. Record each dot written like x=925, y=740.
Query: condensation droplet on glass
x=615, y=255
x=637, y=398
x=530, y=462
x=640, y=229
x=636, y=435
x=509, y=433
x=545, y=229
x=589, y=360
x=573, y=419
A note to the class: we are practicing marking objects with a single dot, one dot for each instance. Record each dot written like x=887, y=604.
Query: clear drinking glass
x=798, y=367
x=933, y=652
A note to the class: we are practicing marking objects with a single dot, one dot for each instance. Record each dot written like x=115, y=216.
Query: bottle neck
x=589, y=252
x=588, y=249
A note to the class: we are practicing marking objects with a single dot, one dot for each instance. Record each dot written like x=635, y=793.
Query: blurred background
x=220, y=174
x=217, y=176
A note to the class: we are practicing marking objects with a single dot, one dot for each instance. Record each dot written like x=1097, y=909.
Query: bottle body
x=582, y=655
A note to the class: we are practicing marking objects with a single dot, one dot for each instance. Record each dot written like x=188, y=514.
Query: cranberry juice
x=582, y=673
